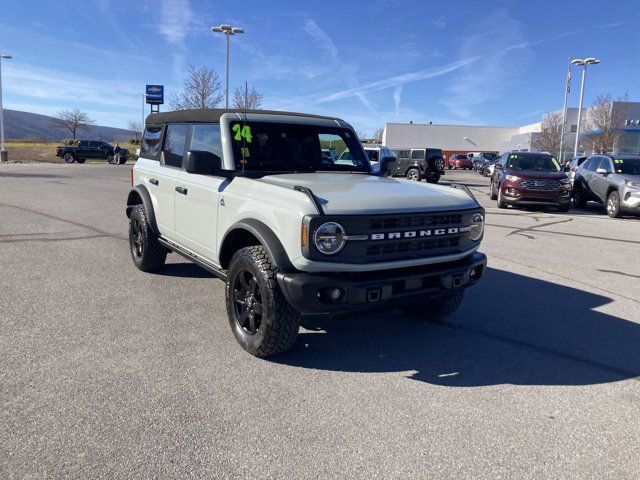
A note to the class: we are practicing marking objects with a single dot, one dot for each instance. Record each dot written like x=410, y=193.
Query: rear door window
x=175, y=140
x=417, y=154
x=606, y=164
x=591, y=163
x=373, y=155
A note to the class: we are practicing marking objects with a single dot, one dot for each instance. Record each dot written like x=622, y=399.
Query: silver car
x=572, y=167
x=613, y=180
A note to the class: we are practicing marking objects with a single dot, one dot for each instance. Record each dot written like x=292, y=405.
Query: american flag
x=569, y=79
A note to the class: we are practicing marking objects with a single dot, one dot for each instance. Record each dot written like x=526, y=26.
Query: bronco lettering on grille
x=416, y=233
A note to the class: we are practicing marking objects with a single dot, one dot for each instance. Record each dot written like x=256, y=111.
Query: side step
x=201, y=262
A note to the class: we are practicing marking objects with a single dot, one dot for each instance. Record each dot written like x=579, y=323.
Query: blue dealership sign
x=155, y=94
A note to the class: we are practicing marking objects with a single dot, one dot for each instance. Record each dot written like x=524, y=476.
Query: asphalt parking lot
x=107, y=372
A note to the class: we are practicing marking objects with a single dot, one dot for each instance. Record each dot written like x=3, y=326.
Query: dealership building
x=471, y=138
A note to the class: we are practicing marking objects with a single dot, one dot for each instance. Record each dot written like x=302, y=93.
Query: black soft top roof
x=209, y=115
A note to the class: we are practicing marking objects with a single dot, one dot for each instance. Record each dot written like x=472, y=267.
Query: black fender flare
x=140, y=194
x=267, y=238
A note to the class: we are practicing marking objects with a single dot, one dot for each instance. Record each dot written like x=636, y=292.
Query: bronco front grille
x=394, y=237
x=540, y=184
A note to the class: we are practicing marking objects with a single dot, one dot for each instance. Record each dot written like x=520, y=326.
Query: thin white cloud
x=397, y=98
x=67, y=89
x=175, y=17
x=312, y=28
x=398, y=80
x=438, y=22
x=504, y=53
x=380, y=85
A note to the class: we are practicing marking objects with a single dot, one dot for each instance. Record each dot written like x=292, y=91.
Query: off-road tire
x=612, y=205
x=69, y=158
x=579, y=197
x=563, y=208
x=413, y=174
x=122, y=160
x=111, y=160
x=153, y=254
x=279, y=323
x=81, y=160
x=434, y=179
x=435, y=310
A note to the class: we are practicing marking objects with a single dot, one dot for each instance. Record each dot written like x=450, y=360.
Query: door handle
x=181, y=190
x=153, y=181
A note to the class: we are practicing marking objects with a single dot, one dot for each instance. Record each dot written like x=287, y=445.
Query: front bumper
x=516, y=195
x=310, y=293
x=630, y=200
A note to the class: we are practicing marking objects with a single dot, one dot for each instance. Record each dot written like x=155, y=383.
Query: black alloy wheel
x=247, y=302
x=136, y=237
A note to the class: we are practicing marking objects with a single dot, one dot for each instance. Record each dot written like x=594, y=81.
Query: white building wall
x=446, y=137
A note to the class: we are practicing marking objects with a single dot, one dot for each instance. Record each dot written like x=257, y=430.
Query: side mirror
x=602, y=171
x=498, y=166
x=388, y=167
x=203, y=163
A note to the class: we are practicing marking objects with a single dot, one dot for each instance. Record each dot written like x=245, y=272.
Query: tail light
x=132, y=177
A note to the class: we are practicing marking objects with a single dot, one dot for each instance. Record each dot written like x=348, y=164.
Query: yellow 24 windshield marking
x=242, y=132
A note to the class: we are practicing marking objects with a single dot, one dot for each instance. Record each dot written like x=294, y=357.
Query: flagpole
x=567, y=87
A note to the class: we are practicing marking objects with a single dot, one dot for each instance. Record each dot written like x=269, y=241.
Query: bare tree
x=73, y=120
x=361, y=135
x=548, y=140
x=377, y=135
x=201, y=90
x=247, y=98
x=136, y=128
x=606, y=120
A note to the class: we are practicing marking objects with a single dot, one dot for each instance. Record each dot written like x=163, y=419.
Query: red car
x=458, y=160
x=530, y=178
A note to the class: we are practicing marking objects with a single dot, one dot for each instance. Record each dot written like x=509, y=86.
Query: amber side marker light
x=304, y=235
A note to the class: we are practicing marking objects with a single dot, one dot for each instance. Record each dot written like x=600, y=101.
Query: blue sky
x=369, y=62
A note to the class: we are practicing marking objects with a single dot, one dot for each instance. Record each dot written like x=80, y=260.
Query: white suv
x=253, y=197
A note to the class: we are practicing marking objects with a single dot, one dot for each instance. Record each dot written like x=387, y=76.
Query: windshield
x=490, y=156
x=538, y=163
x=627, y=166
x=283, y=147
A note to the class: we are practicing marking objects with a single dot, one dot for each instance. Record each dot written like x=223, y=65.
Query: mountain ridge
x=19, y=125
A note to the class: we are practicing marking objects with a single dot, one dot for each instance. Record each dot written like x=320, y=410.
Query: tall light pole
x=228, y=30
x=582, y=62
x=3, y=152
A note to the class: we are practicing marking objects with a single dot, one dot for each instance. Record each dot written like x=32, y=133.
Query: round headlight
x=329, y=238
x=477, y=227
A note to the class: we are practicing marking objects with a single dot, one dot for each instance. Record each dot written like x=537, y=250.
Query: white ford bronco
x=254, y=197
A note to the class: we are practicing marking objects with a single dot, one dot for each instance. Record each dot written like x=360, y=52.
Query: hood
x=347, y=194
x=538, y=175
x=627, y=176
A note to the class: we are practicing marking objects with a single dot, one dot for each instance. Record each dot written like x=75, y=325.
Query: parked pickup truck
x=92, y=149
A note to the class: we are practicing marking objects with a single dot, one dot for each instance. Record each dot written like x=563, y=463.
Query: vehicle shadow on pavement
x=184, y=269
x=511, y=329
